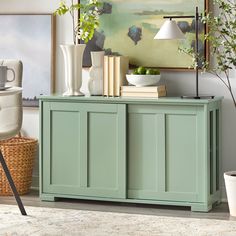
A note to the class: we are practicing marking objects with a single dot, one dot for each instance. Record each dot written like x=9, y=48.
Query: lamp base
x=198, y=97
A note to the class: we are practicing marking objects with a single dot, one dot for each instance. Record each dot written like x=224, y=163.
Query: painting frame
x=48, y=83
x=90, y=47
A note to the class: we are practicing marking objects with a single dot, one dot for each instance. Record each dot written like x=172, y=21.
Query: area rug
x=60, y=222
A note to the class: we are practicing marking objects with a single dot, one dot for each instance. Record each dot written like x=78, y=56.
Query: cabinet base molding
x=201, y=207
x=195, y=207
x=47, y=198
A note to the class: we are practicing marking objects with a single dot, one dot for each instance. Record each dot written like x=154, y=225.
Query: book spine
x=117, y=77
x=105, y=76
x=147, y=89
x=121, y=69
x=139, y=94
x=111, y=76
x=124, y=70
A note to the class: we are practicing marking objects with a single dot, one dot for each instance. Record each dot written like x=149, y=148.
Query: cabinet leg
x=47, y=198
x=201, y=207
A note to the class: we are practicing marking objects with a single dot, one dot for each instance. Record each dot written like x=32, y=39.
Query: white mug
x=3, y=75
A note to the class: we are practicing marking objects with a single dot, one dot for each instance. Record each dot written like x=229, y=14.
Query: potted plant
x=84, y=22
x=222, y=39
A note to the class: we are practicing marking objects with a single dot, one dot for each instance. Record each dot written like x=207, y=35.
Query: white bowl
x=143, y=80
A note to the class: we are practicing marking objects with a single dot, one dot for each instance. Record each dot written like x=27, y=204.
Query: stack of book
x=149, y=91
x=115, y=70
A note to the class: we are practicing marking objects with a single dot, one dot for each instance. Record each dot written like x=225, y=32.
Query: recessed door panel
x=102, y=150
x=104, y=170
x=61, y=148
x=181, y=153
x=145, y=137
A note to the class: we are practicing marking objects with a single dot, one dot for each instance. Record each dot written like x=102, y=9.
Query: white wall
x=178, y=83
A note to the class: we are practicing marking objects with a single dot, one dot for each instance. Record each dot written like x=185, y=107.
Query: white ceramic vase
x=95, y=84
x=73, y=58
x=230, y=184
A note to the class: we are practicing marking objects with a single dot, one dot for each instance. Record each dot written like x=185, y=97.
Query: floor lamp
x=170, y=30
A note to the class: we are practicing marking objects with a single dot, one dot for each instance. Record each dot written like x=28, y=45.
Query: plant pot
x=95, y=84
x=230, y=184
x=73, y=57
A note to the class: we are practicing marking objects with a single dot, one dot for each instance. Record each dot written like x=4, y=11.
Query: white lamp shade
x=169, y=30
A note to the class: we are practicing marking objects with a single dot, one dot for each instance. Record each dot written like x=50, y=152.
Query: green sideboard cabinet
x=156, y=151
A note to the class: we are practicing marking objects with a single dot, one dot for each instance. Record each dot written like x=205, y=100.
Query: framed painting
x=128, y=28
x=30, y=38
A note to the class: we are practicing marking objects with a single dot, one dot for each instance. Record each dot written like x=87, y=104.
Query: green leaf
x=89, y=18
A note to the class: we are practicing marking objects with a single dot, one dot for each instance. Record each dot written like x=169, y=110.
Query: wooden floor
x=219, y=212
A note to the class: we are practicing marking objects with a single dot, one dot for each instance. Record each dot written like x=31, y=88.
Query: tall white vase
x=95, y=84
x=73, y=58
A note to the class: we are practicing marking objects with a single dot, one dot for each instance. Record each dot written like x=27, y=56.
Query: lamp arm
x=177, y=17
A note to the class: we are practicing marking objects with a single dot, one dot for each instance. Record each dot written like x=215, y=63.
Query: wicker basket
x=19, y=154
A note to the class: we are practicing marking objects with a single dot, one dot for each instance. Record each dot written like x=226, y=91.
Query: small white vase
x=95, y=84
x=73, y=58
x=230, y=184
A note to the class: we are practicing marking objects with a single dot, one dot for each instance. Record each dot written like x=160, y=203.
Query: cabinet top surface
x=118, y=100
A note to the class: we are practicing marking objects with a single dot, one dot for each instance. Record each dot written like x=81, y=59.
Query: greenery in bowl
x=145, y=71
x=83, y=26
